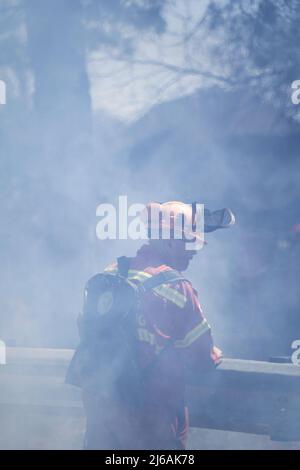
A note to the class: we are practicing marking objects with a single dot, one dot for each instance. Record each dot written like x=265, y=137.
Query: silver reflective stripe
x=171, y=294
x=192, y=335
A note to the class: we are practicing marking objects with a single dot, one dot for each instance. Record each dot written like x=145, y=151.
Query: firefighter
x=173, y=336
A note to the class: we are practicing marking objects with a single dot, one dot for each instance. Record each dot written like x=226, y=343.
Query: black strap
x=123, y=265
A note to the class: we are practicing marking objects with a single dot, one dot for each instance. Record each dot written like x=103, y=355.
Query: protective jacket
x=173, y=336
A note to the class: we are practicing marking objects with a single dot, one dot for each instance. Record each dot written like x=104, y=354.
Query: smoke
x=157, y=101
x=77, y=147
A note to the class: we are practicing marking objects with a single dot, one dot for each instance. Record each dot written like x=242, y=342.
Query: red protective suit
x=170, y=313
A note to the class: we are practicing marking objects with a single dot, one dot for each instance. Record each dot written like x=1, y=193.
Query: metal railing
x=242, y=396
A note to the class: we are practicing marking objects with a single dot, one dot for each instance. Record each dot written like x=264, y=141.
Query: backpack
x=107, y=353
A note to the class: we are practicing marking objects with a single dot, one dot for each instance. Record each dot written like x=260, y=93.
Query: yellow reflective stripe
x=141, y=273
x=138, y=275
x=192, y=335
x=132, y=273
x=163, y=290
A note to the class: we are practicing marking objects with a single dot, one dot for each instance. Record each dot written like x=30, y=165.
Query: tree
x=191, y=45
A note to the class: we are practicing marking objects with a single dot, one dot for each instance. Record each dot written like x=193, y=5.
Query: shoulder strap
x=123, y=265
